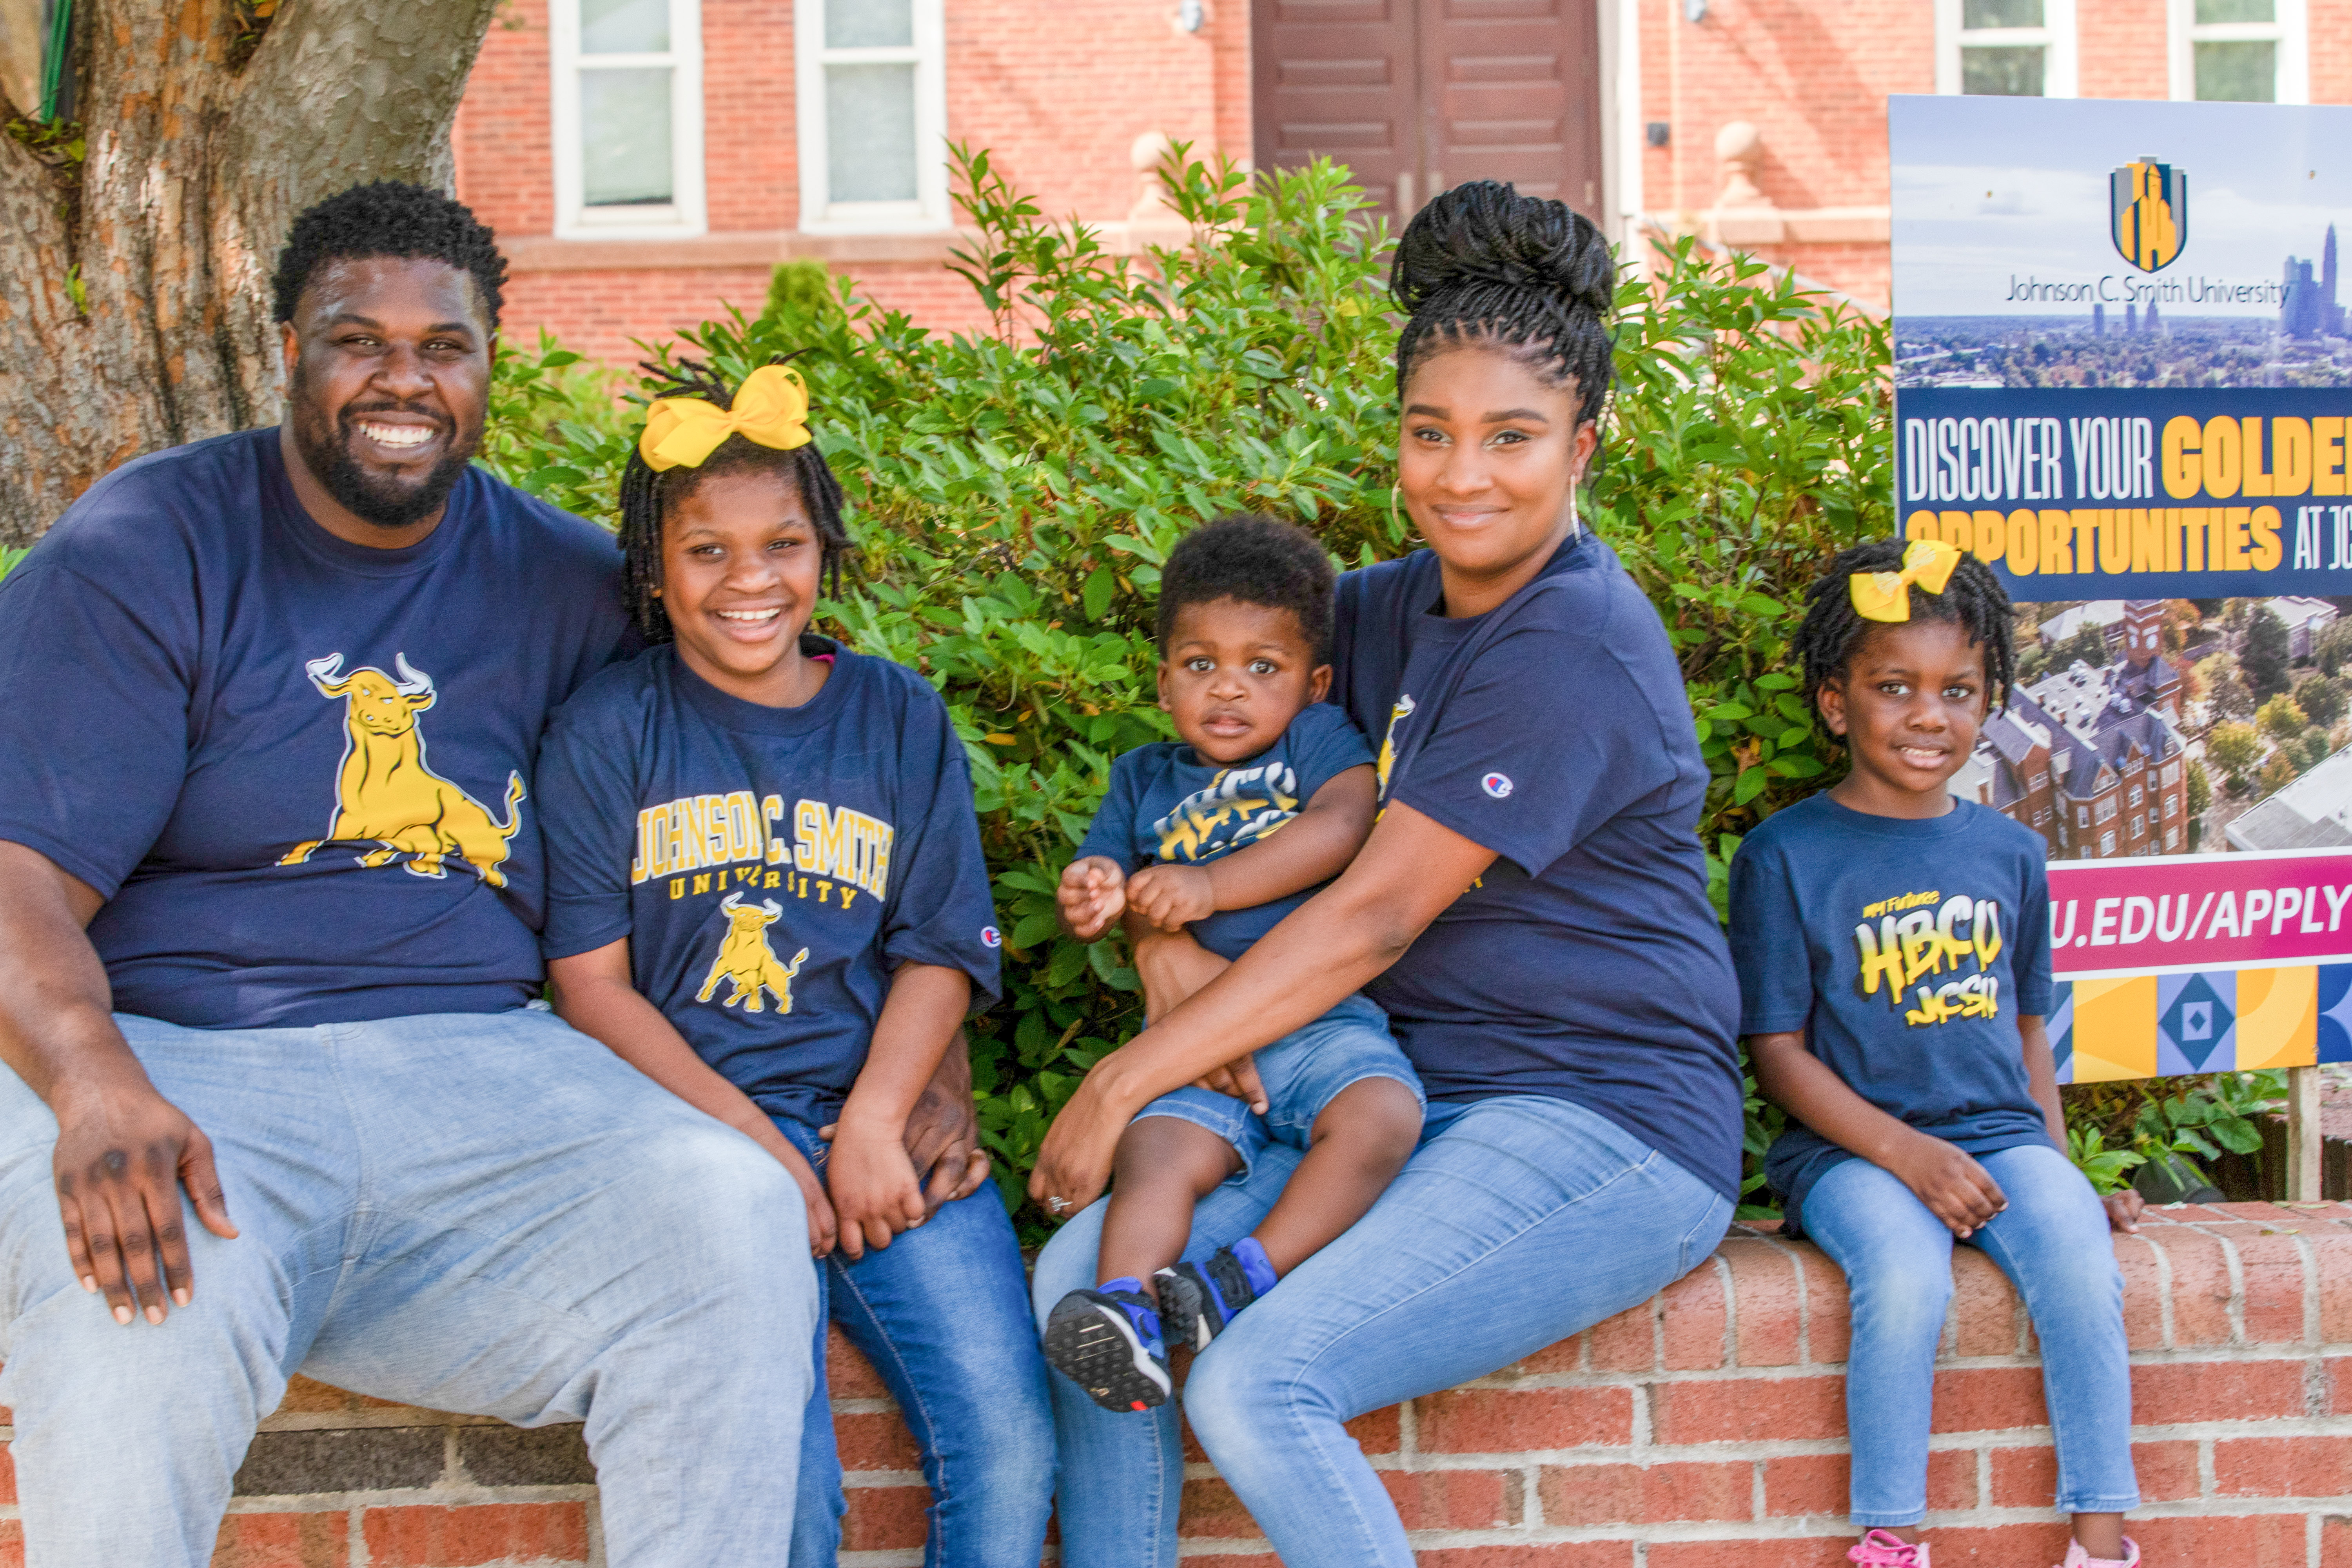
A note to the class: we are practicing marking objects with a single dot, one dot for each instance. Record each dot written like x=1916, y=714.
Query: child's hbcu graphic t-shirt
x=1906, y=950
x=1587, y=963
x=297, y=769
x=1167, y=805
x=770, y=867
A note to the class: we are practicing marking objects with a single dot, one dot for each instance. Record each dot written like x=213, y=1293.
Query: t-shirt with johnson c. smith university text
x=1906, y=950
x=769, y=867
x=1586, y=964
x=297, y=769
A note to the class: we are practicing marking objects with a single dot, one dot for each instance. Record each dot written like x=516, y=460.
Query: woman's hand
x=1172, y=897
x=823, y=1229
x=875, y=1189
x=1074, y=1165
x=2123, y=1211
x=1170, y=965
x=1956, y=1189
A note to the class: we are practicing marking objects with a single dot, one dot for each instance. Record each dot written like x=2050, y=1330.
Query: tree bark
x=194, y=168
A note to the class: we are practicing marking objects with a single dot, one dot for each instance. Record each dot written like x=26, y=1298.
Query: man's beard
x=381, y=499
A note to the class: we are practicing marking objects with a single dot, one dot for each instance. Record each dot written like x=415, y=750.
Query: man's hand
x=2123, y=1211
x=875, y=1192
x=1956, y=1189
x=1172, y=897
x=122, y=1154
x=1093, y=894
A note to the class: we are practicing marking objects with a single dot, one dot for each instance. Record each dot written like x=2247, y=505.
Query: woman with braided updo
x=1531, y=910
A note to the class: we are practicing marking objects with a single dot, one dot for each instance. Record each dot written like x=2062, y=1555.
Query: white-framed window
x=2081, y=816
x=2014, y=48
x=2107, y=842
x=628, y=118
x=2172, y=840
x=2247, y=51
x=871, y=79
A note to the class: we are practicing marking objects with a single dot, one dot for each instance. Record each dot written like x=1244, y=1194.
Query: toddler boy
x=1268, y=795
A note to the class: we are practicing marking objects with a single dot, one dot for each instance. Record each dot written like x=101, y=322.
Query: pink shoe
x=1883, y=1549
x=2078, y=1558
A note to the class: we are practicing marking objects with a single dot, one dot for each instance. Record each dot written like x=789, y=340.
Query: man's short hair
x=389, y=217
x=1255, y=560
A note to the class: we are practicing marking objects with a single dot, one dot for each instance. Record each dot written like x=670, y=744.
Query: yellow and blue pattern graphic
x=2213, y=1020
x=1240, y=805
x=2149, y=203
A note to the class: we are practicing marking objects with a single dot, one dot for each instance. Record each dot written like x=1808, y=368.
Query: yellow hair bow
x=772, y=408
x=1886, y=595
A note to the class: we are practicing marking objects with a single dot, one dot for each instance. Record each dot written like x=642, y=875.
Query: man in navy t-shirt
x=269, y=880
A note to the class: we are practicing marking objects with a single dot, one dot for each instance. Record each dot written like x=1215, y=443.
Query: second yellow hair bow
x=1886, y=595
x=770, y=407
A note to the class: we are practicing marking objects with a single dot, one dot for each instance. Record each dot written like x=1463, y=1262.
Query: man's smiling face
x=390, y=361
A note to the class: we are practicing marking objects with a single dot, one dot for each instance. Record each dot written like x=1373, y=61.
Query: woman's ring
x=1057, y=1204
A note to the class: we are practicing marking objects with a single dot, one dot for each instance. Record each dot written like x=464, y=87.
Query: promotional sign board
x=2123, y=380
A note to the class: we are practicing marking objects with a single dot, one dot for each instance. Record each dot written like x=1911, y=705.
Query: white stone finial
x=1149, y=153
x=1739, y=148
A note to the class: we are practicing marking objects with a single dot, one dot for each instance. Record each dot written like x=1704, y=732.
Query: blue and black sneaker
x=1199, y=1299
x=1107, y=1342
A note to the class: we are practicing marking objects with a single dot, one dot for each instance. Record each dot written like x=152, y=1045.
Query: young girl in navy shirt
x=765, y=890
x=1894, y=952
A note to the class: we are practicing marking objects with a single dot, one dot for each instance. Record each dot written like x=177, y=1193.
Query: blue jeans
x=1301, y=1073
x=940, y=1314
x=482, y=1212
x=1519, y=1222
x=2052, y=1242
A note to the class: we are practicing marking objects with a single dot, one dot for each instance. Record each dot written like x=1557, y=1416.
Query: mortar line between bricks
x=355, y=1546
x=2163, y=1290
x=2218, y=1355
x=882, y=1479
x=2311, y=1540
x=409, y=1497
x=2236, y=1265
x=2209, y=1485
x=1730, y=1310
x=2312, y=1328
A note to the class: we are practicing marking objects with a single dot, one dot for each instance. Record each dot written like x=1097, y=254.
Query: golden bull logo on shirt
x=1906, y=941
x=384, y=790
x=2149, y=203
x=745, y=959
x=1240, y=806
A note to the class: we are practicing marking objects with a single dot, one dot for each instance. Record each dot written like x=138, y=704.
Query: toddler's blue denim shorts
x=1302, y=1072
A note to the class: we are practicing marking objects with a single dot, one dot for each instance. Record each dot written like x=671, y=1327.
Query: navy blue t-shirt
x=299, y=769
x=1165, y=805
x=770, y=867
x=1587, y=963
x=1906, y=951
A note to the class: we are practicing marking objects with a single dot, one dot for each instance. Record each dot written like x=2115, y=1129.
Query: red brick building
x=644, y=159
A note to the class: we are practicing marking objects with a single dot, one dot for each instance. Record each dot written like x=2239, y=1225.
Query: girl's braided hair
x=646, y=496
x=1482, y=263
x=1972, y=600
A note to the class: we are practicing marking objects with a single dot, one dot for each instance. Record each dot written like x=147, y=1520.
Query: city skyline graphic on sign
x=2048, y=242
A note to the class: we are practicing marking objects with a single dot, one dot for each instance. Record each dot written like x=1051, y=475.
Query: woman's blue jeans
x=940, y=1314
x=1520, y=1221
x=2052, y=1242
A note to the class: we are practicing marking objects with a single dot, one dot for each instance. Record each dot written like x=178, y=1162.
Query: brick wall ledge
x=1782, y=226
x=1702, y=1429
x=765, y=248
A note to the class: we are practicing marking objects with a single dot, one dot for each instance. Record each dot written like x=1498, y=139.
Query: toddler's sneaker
x=1108, y=1342
x=2078, y=1558
x=1198, y=1299
x=1885, y=1548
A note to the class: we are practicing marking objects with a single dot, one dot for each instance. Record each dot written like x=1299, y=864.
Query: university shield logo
x=2149, y=208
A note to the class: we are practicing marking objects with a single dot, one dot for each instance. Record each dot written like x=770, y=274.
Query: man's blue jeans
x=2052, y=1242
x=489, y=1213
x=1519, y=1222
x=942, y=1314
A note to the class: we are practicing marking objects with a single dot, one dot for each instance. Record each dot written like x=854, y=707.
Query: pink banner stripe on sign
x=2199, y=911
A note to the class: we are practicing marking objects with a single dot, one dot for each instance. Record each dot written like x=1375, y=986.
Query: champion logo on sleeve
x=989, y=937
x=1496, y=785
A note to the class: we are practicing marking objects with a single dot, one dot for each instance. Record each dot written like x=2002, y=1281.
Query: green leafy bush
x=1015, y=493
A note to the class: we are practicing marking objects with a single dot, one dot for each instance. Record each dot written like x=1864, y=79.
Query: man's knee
x=720, y=1186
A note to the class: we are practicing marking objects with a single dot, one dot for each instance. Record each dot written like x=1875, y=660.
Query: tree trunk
x=201, y=147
